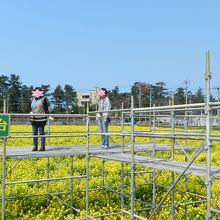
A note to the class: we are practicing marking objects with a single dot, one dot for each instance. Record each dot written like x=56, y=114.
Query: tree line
x=146, y=95
x=18, y=96
x=64, y=99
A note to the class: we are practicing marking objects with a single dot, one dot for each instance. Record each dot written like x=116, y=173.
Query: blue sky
x=108, y=43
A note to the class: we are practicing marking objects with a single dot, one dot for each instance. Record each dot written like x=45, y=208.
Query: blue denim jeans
x=103, y=127
x=35, y=129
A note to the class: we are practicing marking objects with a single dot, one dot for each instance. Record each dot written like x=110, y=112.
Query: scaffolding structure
x=130, y=154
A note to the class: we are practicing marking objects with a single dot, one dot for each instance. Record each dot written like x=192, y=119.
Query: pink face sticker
x=100, y=92
x=37, y=93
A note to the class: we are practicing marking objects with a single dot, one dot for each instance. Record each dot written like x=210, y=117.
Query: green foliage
x=179, y=96
x=65, y=100
x=159, y=91
x=141, y=93
x=199, y=96
x=70, y=99
x=118, y=98
x=58, y=100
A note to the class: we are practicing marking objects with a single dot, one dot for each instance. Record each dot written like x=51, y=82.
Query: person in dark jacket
x=39, y=105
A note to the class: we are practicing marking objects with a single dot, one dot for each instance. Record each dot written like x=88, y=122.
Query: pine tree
x=179, y=96
x=199, y=96
x=58, y=100
x=14, y=93
x=70, y=99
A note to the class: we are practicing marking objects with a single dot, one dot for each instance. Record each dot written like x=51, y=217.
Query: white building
x=84, y=97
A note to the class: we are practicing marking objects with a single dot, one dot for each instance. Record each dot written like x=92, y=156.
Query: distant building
x=84, y=97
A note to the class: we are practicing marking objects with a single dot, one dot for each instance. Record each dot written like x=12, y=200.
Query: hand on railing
x=51, y=118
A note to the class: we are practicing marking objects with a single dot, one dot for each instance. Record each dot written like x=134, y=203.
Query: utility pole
x=5, y=96
x=139, y=98
x=96, y=98
x=150, y=106
x=7, y=104
x=218, y=90
x=186, y=89
x=171, y=94
x=150, y=96
x=139, y=95
x=190, y=97
x=218, y=110
x=4, y=106
x=186, y=119
x=190, y=102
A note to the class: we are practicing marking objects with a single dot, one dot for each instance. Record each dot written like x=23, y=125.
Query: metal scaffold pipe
x=208, y=141
x=172, y=158
x=4, y=140
x=122, y=164
x=132, y=192
x=87, y=162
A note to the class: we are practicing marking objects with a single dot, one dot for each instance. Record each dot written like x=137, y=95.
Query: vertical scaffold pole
x=49, y=130
x=71, y=185
x=48, y=161
x=172, y=158
x=87, y=162
x=154, y=155
x=103, y=174
x=3, y=178
x=132, y=190
x=208, y=141
x=48, y=176
x=4, y=140
x=122, y=164
x=186, y=143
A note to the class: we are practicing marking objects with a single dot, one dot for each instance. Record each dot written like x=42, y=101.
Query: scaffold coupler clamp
x=87, y=119
x=208, y=145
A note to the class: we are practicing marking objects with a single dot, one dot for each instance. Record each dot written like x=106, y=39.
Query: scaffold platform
x=54, y=151
x=161, y=164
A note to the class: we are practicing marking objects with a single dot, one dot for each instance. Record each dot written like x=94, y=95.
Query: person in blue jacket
x=104, y=117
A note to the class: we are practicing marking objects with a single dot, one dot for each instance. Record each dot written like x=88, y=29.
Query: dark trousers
x=35, y=129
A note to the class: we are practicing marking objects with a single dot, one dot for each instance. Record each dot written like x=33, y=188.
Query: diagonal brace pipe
x=176, y=181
